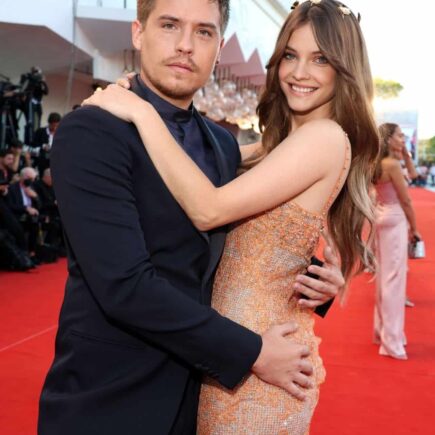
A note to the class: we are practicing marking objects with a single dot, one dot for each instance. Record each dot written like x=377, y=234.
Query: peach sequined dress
x=253, y=286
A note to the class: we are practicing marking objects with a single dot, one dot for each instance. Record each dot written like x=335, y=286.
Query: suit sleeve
x=13, y=202
x=91, y=165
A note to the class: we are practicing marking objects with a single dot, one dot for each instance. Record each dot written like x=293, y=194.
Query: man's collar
x=167, y=111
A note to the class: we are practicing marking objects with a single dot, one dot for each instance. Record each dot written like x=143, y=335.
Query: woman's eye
x=322, y=60
x=289, y=56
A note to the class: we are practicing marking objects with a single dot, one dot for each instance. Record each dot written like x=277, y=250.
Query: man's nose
x=185, y=42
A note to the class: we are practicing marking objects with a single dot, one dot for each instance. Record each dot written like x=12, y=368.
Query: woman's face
x=306, y=77
x=396, y=142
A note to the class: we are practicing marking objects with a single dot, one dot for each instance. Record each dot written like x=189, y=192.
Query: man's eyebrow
x=211, y=26
x=169, y=18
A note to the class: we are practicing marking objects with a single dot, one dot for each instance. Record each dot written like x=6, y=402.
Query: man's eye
x=204, y=32
x=169, y=26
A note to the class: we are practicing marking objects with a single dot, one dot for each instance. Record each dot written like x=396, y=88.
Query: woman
x=394, y=212
x=306, y=170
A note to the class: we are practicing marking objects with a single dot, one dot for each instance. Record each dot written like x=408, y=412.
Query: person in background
x=21, y=159
x=423, y=172
x=6, y=165
x=49, y=211
x=23, y=201
x=432, y=174
x=400, y=152
x=394, y=212
x=43, y=140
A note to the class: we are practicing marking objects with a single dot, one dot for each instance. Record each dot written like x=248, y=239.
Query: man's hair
x=54, y=117
x=5, y=152
x=15, y=143
x=145, y=7
x=28, y=173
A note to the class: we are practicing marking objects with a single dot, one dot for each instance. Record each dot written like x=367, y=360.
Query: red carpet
x=364, y=393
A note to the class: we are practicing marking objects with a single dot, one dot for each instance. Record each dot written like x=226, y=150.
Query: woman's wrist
x=140, y=111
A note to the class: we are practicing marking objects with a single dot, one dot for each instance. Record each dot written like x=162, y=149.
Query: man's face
x=179, y=45
x=8, y=161
x=53, y=126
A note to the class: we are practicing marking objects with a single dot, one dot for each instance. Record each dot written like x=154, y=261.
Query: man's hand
x=283, y=362
x=319, y=291
x=32, y=211
x=30, y=192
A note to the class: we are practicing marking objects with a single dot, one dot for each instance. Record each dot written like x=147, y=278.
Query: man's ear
x=136, y=34
x=221, y=45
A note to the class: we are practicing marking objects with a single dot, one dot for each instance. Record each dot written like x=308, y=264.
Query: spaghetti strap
x=341, y=178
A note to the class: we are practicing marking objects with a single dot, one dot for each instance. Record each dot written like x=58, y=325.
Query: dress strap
x=341, y=178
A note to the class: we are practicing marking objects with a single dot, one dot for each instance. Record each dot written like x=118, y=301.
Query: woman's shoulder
x=390, y=163
x=321, y=137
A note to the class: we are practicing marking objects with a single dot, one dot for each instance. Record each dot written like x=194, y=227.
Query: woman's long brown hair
x=340, y=40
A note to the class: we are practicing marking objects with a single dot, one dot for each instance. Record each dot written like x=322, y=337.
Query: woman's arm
x=412, y=172
x=395, y=173
x=250, y=150
x=303, y=159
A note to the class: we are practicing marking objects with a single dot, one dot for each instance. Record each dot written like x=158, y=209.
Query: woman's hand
x=414, y=235
x=118, y=101
x=125, y=82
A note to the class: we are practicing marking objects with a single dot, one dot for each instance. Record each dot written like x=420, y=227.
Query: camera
x=34, y=152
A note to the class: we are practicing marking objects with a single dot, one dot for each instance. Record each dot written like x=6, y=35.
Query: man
x=136, y=332
x=43, y=140
x=24, y=203
x=6, y=165
x=21, y=159
x=49, y=210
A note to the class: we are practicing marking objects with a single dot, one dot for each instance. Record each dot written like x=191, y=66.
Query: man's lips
x=181, y=66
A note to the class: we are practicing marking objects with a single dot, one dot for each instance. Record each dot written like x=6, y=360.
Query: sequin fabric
x=253, y=286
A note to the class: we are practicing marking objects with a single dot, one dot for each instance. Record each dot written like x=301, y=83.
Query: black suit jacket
x=43, y=160
x=135, y=326
x=47, y=198
x=14, y=200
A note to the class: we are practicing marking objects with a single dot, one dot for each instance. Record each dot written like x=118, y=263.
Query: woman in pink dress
x=394, y=215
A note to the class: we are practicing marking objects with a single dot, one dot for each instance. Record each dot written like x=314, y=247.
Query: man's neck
x=181, y=103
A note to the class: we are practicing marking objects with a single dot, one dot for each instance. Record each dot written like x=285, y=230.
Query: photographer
x=34, y=88
x=43, y=141
x=10, y=102
x=23, y=201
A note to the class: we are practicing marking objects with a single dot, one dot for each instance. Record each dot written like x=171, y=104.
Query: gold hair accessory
x=344, y=10
x=315, y=2
x=294, y=5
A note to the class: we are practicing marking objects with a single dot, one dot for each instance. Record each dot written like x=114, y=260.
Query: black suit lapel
x=138, y=90
x=225, y=175
x=217, y=235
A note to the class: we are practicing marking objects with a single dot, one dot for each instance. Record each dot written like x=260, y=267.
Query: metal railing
x=115, y=4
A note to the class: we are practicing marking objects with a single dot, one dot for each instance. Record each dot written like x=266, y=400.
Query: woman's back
x=386, y=193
